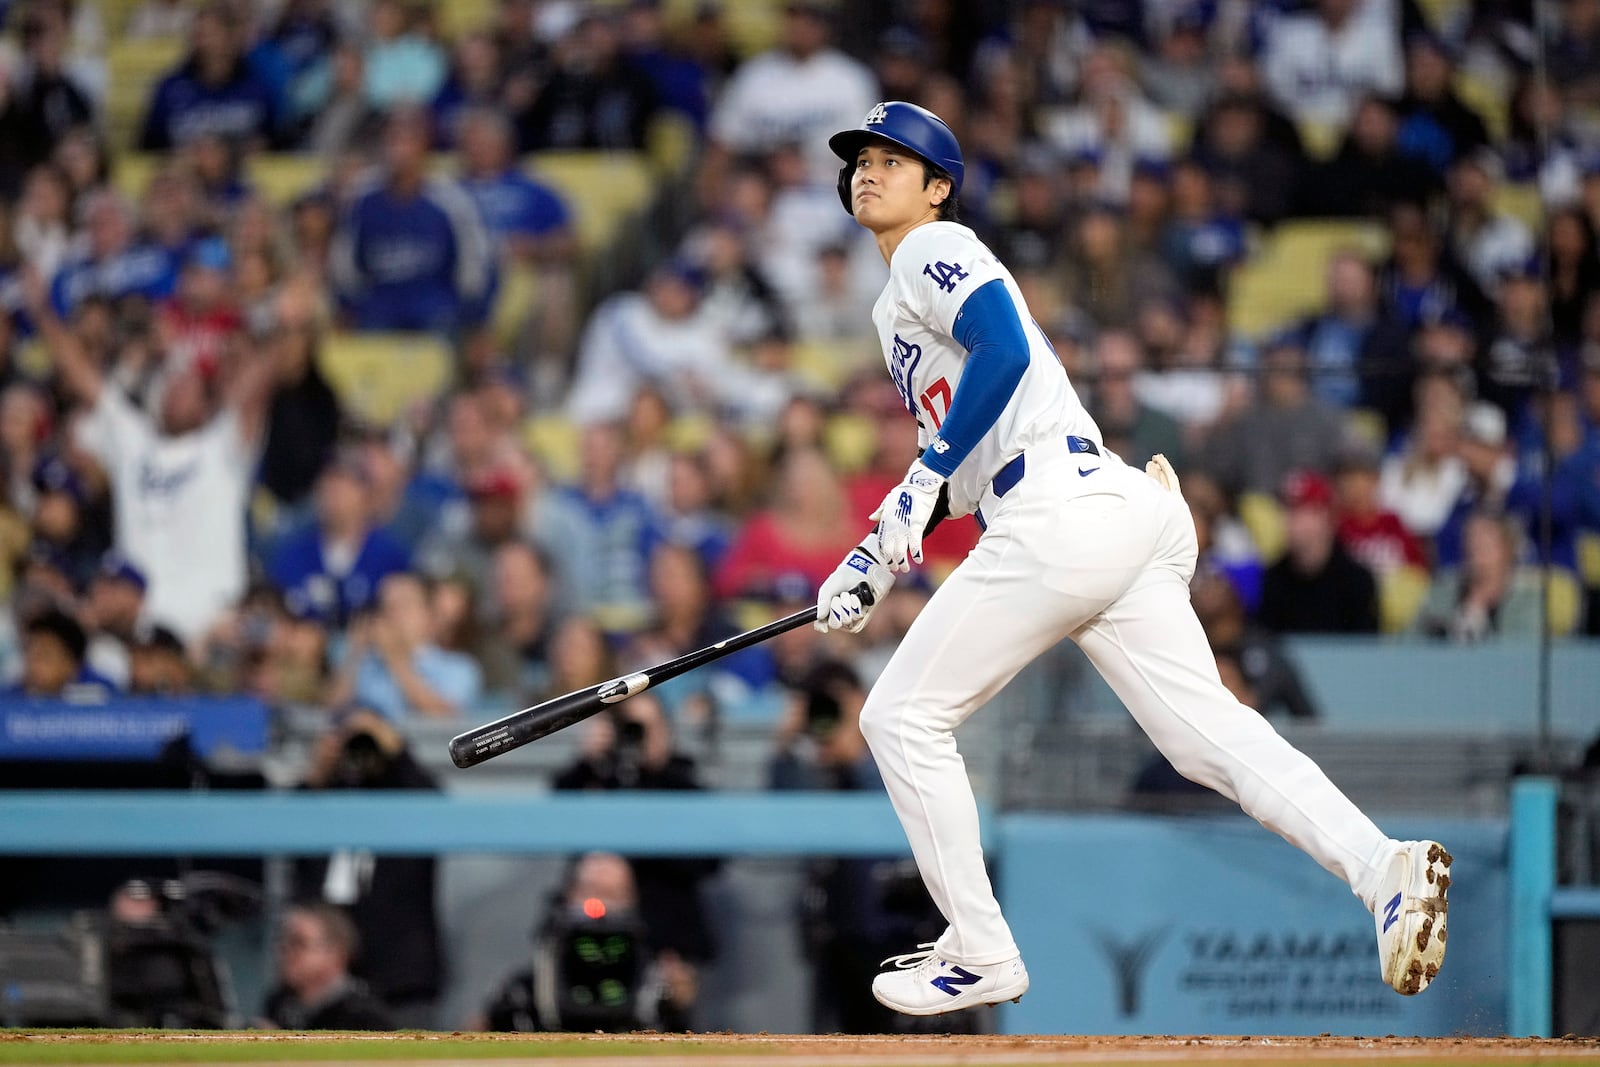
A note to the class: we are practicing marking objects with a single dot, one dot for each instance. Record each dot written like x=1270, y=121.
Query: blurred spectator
x=1421, y=282
x=633, y=748
x=338, y=114
x=1484, y=239
x=742, y=303
x=390, y=900
x=789, y=542
x=663, y=337
x=1224, y=542
x=571, y=986
x=1268, y=676
x=110, y=614
x=1421, y=482
x=1178, y=69
x=1112, y=122
x=1031, y=239
x=1200, y=243
x=25, y=432
x=1488, y=595
x=1316, y=587
x=215, y=91
x=1355, y=353
x=393, y=664
x=401, y=64
x=1130, y=428
x=180, y=479
x=112, y=262
x=42, y=224
x=1257, y=177
x=519, y=617
x=158, y=664
x=474, y=82
x=1574, y=51
x=54, y=662
x=304, y=419
x=315, y=989
x=1371, y=173
x=1435, y=126
x=579, y=657
x=45, y=99
x=596, y=532
x=333, y=565
x=1519, y=359
x=677, y=80
x=197, y=325
x=853, y=911
x=58, y=524
x=1287, y=428
x=799, y=93
x=1106, y=278
x=411, y=252
x=594, y=98
x=1574, y=256
x=1374, y=536
x=689, y=516
x=1493, y=483
x=1319, y=63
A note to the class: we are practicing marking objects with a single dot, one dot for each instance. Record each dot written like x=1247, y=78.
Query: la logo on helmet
x=876, y=115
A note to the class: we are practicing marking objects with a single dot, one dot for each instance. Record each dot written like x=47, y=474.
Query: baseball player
x=1075, y=544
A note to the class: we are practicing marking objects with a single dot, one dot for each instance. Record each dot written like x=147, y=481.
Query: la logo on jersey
x=902, y=365
x=876, y=116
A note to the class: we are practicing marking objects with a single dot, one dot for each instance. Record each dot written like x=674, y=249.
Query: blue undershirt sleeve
x=989, y=328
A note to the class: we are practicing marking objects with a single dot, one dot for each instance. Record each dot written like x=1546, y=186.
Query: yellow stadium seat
x=1321, y=139
x=553, y=440
x=513, y=302
x=753, y=25
x=604, y=189
x=1284, y=279
x=1262, y=515
x=1522, y=202
x=380, y=376
x=828, y=365
x=1564, y=609
x=1401, y=594
x=33, y=359
x=670, y=143
x=131, y=172
x=1180, y=133
x=1444, y=15
x=133, y=67
x=460, y=17
x=283, y=177
x=1368, y=427
x=1589, y=558
x=849, y=441
x=690, y=433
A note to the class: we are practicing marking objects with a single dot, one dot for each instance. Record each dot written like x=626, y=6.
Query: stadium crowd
x=191, y=503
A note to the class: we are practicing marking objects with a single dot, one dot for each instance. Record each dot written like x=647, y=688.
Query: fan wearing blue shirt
x=411, y=252
x=526, y=220
x=331, y=569
x=216, y=90
x=114, y=265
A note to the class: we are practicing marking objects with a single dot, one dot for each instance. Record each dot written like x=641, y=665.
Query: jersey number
x=938, y=391
x=944, y=275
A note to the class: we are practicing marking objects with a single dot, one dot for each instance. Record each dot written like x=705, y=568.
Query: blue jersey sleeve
x=989, y=328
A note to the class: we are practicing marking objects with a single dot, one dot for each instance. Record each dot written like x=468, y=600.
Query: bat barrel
x=519, y=728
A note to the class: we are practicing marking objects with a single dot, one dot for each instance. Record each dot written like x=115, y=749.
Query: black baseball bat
x=519, y=728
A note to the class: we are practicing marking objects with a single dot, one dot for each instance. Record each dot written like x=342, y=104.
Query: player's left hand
x=904, y=515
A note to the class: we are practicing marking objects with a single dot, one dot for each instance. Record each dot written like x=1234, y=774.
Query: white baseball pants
x=1105, y=558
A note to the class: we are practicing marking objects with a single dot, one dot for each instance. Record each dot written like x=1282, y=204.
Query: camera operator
x=160, y=967
x=592, y=967
x=853, y=911
x=315, y=989
x=632, y=748
x=389, y=899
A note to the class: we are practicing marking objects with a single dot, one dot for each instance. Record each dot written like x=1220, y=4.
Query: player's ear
x=939, y=191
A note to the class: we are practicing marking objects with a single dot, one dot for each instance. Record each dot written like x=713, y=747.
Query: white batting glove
x=904, y=514
x=839, y=605
x=1161, y=470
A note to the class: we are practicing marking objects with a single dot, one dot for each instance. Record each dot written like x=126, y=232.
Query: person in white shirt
x=180, y=478
x=795, y=94
x=1319, y=64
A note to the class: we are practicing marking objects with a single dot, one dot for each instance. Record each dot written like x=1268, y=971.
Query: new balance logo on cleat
x=958, y=976
x=1391, y=913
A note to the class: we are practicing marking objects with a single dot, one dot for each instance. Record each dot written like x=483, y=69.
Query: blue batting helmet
x=908, y=126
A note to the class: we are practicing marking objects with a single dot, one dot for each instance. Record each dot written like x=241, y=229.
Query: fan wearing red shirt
x=801, y=534
x=1374, y=536
x=196, y=325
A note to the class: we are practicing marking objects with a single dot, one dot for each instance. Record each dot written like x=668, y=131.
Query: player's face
x=887, y=189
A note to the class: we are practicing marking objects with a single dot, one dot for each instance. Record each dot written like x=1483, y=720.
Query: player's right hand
x=839, y=605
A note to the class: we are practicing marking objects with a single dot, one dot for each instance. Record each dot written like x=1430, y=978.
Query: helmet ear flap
x=845, y=173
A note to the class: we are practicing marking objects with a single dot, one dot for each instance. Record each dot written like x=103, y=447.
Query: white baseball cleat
x=1411, y=914
x=924, y=984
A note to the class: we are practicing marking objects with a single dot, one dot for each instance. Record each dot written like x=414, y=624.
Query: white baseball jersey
x=933, y=272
